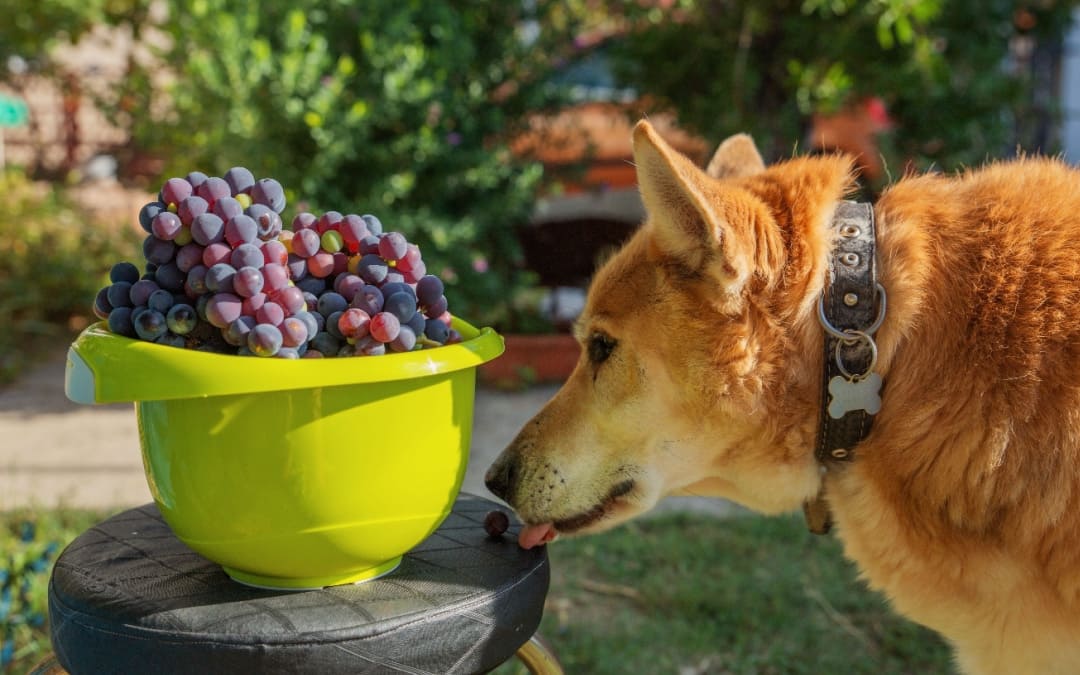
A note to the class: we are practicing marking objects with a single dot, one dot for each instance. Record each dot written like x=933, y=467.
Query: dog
x=703, y=354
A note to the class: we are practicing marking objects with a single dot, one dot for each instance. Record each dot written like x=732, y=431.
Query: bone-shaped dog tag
x=848, y=395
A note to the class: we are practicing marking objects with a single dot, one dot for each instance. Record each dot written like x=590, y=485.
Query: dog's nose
x=500, y=478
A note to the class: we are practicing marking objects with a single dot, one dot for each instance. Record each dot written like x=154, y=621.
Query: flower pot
x=532, y=359
x=294, y=473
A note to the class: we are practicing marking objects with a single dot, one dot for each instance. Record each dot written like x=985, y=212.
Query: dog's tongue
x=534, y=535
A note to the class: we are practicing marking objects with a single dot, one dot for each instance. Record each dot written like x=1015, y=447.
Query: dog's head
x=698, y=372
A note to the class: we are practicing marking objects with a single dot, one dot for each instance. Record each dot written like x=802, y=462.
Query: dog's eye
x=600, y=347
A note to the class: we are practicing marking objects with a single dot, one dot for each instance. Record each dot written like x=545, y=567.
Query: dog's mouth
x=532, y=535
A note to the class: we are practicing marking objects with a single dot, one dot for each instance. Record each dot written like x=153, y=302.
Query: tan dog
x=702, y=366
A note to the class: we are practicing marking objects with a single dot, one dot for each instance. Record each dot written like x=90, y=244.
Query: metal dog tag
x=854, y=394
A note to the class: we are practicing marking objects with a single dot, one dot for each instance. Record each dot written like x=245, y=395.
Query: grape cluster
x=222, y=274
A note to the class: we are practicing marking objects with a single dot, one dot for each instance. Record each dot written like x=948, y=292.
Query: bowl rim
x=103, y=367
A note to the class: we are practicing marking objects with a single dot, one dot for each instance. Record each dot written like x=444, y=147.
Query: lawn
x=677, y=593
x=689, y=595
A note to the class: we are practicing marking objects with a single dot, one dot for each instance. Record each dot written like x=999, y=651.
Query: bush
x=390, y=107
x=54, y=263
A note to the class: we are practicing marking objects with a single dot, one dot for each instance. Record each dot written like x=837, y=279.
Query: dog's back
x=976, y=452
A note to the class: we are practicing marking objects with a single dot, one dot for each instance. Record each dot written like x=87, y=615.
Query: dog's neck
x=850, y=310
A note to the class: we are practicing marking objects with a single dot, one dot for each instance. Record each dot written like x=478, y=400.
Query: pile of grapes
x=223, y=275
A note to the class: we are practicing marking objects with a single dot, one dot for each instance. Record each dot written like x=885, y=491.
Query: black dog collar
x=850, y=310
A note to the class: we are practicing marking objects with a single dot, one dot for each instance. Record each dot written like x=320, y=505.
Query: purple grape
x=239, y=180
x=397, y=287
x=181, y=318
x=207, y=228
x=294, y=332
x=402, y=305
x=415, y=273
x=213, y=189
x=140, y=292
x=374, y=225
x=241, y=229
x=102, y=306
x=332, y=326
x=298, y=269
x=226, y=208
x=325, y=343
x=150, y=325
x=291, y=298
x=275, y=251
x=170, y=277
x=436, y=330
x=327, y=221
x=175, y=190
x=353, y=323
x=270, y=313
x=268, y=192
x=160, y=301
x=236, y=333
x=218, y=252
x=330, y=302
x=252, y=304
x=148, y=212
x=189, y=256
x=196, y=281
x=264, y=340
x=384, y=327
x=370, y=347
x=353, y=229
x=196, y=178
x=310, y=322
x=393, y=246
x=370, y=299
x=435, y=310
x=306, y=243
x=119, y=294
x=191, y=208
x=417, y=323
x=222, y=309
x=124, y=271
x=372, y=269
x=267, y=220
x=219, y=278
x=247, y=255
x=405, y=340
x=312, y=285
x=276, y=276
x=321, y=264
x=158, y=251
x=304, y=221
x=310, y=300
x=429, y=289
x=288, y=353
x=120, y=322
x=166, y=225
x=248, y=281
x=369, y=244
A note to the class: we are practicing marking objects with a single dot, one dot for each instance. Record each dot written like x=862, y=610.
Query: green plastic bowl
x=294, y=473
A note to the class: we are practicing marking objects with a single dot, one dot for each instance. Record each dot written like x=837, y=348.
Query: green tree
x=765, y=67
x=399, y=108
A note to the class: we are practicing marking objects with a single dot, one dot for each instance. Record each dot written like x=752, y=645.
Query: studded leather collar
x=850, y=310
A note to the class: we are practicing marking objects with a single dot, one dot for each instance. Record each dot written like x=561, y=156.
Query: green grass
x=687, y=594
x=678, y=593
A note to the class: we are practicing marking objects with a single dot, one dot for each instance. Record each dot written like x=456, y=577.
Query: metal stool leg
x=538, y=658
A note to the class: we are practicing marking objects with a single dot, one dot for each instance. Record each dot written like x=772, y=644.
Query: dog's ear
x=688, y=214
x=737, y=156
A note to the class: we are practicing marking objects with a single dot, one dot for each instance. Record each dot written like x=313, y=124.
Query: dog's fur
x=701, y=374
